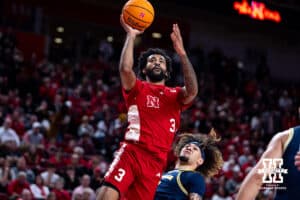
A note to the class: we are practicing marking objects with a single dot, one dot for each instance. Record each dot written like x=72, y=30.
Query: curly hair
x=213, y=156
x=142, y=61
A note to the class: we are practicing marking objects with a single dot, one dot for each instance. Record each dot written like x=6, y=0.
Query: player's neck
x=158, y=83
x=162, y=82
x=184, y=167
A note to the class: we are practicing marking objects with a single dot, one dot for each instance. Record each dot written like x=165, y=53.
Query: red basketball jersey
x=153, y=116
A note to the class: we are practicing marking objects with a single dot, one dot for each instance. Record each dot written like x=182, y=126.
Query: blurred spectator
x=21, y=165
x=4, y=174
x=49, y=176
x=221, y=195
x=60, y=192
x=97, y=178
x=35, y=156
x=71, y=178
x=34, y=135
x=8, y=136
x=57, y=157
x=51, y=196
x=17, y=185
x=38, y=189
x=87, y=143
x=26, y=195
x=285, y=102
x=84, y=187
x=85, y=127
x=106, y=50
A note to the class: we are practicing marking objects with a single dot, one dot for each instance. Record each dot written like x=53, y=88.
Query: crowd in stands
x=62, y=121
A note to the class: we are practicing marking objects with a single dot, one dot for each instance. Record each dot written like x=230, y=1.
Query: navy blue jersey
x=292, y=178
x=177, y=185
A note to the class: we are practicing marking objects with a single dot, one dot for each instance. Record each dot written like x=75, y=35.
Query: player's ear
x=200, y=161
x=167, y=75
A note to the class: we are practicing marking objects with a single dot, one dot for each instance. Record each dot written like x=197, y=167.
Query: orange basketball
x=138, y=14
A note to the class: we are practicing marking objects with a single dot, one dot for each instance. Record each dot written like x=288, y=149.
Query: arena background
x=59, y=77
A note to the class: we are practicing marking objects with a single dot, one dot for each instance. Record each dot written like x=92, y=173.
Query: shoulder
x=193, y=176
x=282, y=137
x=174, y=89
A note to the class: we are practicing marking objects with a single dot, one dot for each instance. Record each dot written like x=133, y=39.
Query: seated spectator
x=86, y=143
x=17, y=185
x=8, y=135
x=38, y=189
x=221, y=195
x=34, y=135
x=22, y=166
x=85, y=127
x=51, y=196
x=26, y=195
x=71, y=178
x=49, y=176
x=84, y=186
x=4, y=174
x=57, y=157
x=97, y=178
x=60, y=192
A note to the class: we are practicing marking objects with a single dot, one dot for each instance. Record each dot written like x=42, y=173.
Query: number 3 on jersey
x=120, y=175
x=173, y=125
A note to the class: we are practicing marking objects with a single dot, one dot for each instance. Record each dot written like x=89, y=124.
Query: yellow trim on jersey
x=180, y=184
x=287, y=142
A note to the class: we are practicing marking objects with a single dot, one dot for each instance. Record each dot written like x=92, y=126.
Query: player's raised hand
x=128, y=28
x=177, y=40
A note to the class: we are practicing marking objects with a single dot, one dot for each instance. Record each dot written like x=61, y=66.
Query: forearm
x=250, y=186
x=189, y=75
x=297, y=160
x=126, y=60
x=254, y=180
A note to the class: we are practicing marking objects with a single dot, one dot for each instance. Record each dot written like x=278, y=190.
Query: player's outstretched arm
x=127, y=74
x=253, y=181
x=190, y=89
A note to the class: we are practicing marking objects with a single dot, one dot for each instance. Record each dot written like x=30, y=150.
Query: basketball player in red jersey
x=153, y=115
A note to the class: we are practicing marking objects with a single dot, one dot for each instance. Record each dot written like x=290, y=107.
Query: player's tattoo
x=194, y=196
x=190, y=79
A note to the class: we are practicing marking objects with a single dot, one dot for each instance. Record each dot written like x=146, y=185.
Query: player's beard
x=155, y=77
x=183, y=158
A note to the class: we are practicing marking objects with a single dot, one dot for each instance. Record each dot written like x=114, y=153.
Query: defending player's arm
x=194, y=196
x=128, y=77
x=253, y=181
x=190, y=90
x=297, y=160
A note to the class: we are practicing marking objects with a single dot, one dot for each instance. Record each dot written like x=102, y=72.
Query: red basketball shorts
x=135, y=172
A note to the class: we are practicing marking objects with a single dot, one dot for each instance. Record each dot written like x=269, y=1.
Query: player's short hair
x=142, y=60
x=208, y=144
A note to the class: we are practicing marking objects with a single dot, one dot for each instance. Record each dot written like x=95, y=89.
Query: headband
x=198, y=144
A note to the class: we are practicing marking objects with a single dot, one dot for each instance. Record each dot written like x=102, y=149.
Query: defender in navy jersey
x=198, y=157
x=283, y=145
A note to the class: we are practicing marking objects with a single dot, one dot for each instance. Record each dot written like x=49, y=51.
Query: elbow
x=125, y=69
x=193, y=93
x=257, y=178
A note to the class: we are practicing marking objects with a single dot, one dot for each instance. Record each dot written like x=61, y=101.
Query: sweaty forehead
x=156, y=56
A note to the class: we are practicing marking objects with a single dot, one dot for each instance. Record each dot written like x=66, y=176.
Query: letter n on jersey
x=152, y=101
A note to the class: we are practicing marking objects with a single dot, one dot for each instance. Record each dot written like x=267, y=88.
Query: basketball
x=138, y=14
